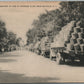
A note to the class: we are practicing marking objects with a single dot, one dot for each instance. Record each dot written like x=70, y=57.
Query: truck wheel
x=60, y=59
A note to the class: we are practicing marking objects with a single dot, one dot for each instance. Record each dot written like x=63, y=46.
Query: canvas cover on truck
x=63, y=35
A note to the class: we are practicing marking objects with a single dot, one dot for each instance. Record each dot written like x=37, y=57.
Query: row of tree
x=7, y=39
x=51, y=22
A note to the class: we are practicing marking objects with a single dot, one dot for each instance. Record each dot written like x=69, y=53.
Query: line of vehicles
x=19, y=45
x=68, y=45
x=8, y=48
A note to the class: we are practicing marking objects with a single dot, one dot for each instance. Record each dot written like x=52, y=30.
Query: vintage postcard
x=41, y=42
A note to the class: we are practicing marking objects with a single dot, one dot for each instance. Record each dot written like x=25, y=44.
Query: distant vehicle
x=30, y=47
x=37, y=48
x=12, y=47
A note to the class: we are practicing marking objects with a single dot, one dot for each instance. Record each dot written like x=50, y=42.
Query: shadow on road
x=5, y=57
x=8, y=55
x=7, y=60
x=6, y=77
x=75, y=64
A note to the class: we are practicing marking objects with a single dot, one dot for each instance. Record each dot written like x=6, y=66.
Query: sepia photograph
x=41, y=42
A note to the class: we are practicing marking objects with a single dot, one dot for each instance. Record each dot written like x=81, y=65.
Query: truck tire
x=59, y=59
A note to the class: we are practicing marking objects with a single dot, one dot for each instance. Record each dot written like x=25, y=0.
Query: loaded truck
x=37, y=48
x=69, y=43
x=45, y=46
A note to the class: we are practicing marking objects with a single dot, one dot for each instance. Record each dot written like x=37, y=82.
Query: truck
x=68, y=45
x=37, y=48
x=45, y=46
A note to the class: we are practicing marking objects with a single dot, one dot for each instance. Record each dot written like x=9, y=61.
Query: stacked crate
x=75, y=41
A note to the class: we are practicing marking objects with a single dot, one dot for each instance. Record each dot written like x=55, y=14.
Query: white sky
x=19, y=20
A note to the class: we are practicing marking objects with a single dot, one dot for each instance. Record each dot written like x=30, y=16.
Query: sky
x=19, y=19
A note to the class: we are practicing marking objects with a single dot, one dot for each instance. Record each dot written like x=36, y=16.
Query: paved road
x=25, y=67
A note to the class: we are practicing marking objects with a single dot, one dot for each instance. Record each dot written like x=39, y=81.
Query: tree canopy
x=52, y=21
x=6, y=38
